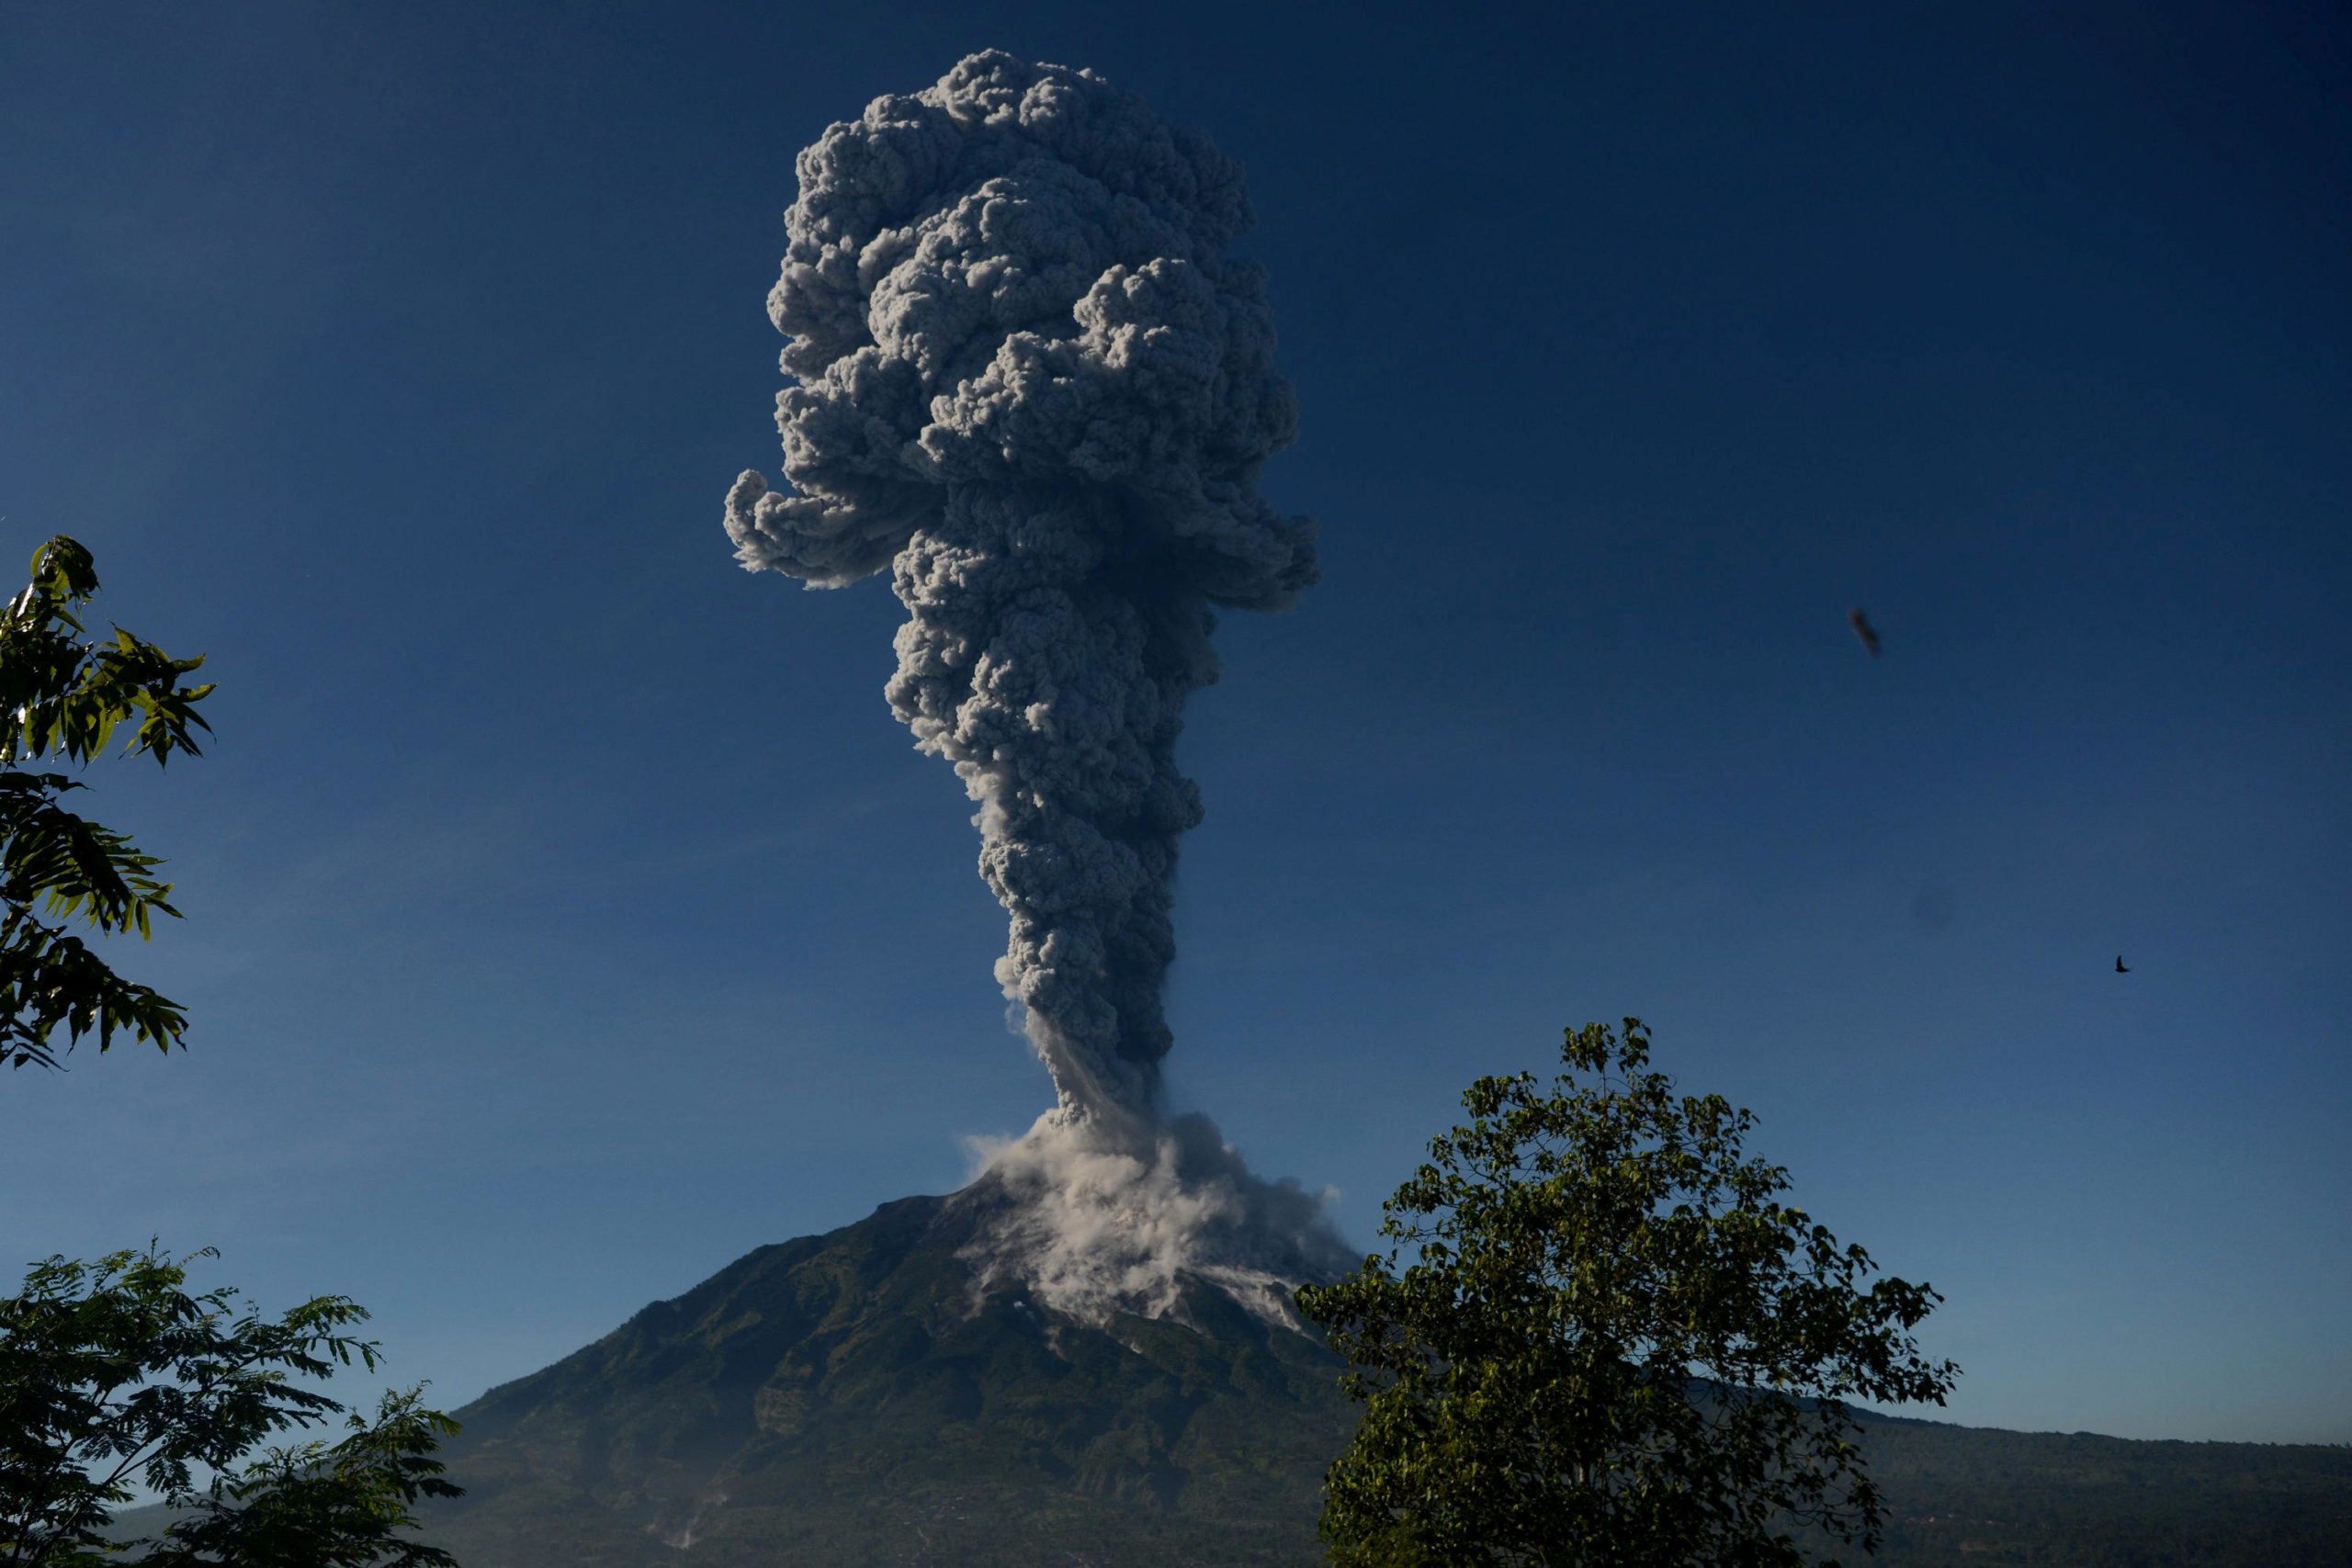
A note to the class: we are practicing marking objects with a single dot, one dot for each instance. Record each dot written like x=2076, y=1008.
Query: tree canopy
x=112, y=1373
x=64, y=694
x=1601, y=1336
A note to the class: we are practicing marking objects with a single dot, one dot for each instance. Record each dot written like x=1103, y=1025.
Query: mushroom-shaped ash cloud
x=1029, y=380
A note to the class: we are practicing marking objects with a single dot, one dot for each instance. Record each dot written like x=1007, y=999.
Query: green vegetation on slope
x=1990, y=1499
x=848, y=1400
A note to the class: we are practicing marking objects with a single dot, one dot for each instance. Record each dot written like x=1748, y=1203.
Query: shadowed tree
x=1609, y=1341
x=112, y=1373
x=63, y=696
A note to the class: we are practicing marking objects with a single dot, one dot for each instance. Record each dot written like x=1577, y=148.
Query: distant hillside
x=1988, y=1498
x=843, y=1400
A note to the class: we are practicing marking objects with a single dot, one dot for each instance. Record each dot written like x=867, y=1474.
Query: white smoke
x=1097, y=1214
x=1029, y=379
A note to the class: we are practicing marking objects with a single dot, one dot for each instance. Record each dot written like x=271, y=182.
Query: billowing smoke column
x=1031, y=383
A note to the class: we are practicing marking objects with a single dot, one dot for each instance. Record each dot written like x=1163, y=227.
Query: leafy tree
x=1613, y=1343
x=64, y=694
x=321, y=1506
x=111, y=1373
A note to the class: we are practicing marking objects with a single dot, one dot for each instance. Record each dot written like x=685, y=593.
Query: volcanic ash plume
x=1095, y=1213
x=1030, y=381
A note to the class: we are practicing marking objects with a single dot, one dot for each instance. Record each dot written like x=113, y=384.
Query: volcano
x=868, y=1397
x=865, y=1397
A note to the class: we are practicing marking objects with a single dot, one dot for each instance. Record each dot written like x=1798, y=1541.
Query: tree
x=64, y=694
x=111, y=1372
x=1613, y=1343
x=321, y=1506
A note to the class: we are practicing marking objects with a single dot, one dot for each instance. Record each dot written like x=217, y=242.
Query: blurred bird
x=2120, y=969
x=1863, y=629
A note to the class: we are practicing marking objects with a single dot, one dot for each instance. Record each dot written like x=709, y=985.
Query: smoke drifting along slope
x=1029, y=379
x=1096, y=1212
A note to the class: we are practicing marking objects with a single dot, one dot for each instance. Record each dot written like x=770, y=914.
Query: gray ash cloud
x=1028, y=378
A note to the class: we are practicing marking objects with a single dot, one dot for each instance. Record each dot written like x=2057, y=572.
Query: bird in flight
x=2119, y=966
x=1863, y=629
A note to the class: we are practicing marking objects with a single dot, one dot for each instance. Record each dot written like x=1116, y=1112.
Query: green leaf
x=113, y=1374
x=1612, y=1342
x=67, y=696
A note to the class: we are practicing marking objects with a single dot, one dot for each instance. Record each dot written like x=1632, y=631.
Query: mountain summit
x=885, y=1394
x=871, y=1396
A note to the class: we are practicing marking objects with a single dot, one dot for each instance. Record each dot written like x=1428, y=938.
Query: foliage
x=1613, y=1343
x=324, y=1506
x=111, y=1373
x=853, y=1400
x=64, y=694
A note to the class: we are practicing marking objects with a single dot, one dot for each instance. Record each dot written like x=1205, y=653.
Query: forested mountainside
x=851, y=1400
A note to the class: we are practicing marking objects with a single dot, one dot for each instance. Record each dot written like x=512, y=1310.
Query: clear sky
x=566, y=916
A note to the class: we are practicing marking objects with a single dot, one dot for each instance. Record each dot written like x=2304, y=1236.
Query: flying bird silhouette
x=1863, y=629
x=2120, y=968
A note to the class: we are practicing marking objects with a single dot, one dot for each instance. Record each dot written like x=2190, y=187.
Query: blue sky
x=566, y=915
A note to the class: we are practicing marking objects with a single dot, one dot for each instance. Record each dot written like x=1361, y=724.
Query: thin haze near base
x=1029, y=380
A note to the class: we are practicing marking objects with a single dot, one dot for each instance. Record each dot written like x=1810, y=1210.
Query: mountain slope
x=845, y=1399
x=1989, y=1499
x=851, y=1399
